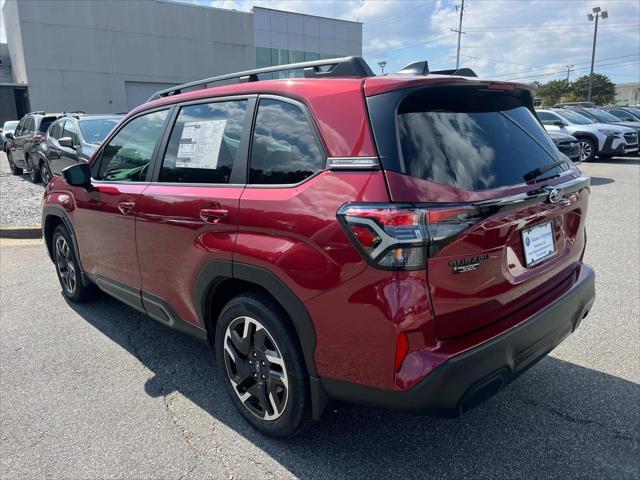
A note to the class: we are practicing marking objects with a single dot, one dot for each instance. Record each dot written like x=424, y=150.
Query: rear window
x=45, y=122
x=471, y=139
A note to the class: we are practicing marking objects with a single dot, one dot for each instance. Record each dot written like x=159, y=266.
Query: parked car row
x=597, y=131
x=43, y=144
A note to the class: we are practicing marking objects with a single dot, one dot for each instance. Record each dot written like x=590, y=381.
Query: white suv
x=593, y=138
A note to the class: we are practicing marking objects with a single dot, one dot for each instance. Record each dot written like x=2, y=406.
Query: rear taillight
x=38, y=138
x=402, y=236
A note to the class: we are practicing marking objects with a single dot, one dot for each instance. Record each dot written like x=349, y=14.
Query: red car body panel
x=106, y=235
x=174, y=242
x=294, y=233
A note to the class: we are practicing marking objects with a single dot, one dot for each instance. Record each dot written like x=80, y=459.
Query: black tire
x=12, y=166
x=68, y=267
x=34, y=171
x=45, y=173
x=588, y=149
x=290, y=407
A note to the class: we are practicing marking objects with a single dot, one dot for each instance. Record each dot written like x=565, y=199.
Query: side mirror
x=66, y=142
x=9, y=135
x=559, y=123
x=78, y=175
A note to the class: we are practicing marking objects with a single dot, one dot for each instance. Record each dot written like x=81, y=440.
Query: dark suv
x=71, y=139
x=410, y=241
x=25, y=140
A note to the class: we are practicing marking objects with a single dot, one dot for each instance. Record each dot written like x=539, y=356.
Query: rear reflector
x=401, y=237
x=402, y=349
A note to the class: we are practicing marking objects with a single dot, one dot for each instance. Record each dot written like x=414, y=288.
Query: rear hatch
x=504, y=209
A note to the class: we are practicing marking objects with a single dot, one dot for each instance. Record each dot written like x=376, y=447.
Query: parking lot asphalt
x=101, y=391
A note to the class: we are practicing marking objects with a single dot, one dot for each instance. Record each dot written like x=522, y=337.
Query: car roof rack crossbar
x=328, y=68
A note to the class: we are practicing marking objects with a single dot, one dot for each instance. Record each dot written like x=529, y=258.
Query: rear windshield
x=601, y=116
x=473, y=140
x=573, y=117
x=45, y=122
x=95, y=130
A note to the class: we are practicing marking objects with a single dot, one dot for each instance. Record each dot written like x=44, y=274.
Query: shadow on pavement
x=597, y=181
x=558, y=420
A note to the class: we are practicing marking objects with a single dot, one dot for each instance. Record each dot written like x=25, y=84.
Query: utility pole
x=382, y=64
x=598, y=13
x=569, y=68
x=460, y=10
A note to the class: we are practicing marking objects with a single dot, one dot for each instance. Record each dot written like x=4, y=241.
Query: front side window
x=284, y=149
x=204, y=143
x=127, y=156
x=70, y=131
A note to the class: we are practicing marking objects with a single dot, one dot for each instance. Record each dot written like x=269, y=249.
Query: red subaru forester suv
x=412, y=241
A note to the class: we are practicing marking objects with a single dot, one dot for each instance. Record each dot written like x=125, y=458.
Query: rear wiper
x=536, y=172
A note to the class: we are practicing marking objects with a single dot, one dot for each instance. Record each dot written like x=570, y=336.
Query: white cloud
x=526, y=39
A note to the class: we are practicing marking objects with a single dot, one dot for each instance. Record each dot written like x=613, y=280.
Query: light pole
x=597, y=13
x=382, y=64
x=569, y=68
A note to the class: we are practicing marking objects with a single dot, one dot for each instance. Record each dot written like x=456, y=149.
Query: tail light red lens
x=390, y=237
x=402, y=236
x=38, y=138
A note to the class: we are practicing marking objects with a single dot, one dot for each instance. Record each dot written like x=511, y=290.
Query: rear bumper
x=469, y=378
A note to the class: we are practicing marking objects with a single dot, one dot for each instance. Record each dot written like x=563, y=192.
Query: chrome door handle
x=213, y=215
x=126, y=207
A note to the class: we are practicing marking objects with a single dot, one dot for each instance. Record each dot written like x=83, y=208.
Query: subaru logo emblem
x=555, y=195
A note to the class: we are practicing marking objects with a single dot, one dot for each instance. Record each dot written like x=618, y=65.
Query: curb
x=33, y=231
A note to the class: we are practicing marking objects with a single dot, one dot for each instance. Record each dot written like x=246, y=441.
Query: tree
x=553, y=90
x=602, y=93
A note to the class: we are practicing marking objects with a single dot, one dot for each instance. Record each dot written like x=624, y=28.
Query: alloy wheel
x=65, y=265
x=256, y=368
x=585, y=150
x=44, y=174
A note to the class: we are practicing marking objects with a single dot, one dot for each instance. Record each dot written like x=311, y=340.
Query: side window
x=20, y=127
x=29, y=126
x=204, y=143
x=284, y=146
x=70, y=131
x=56, y=130
x=127, y=156
x=547, y=118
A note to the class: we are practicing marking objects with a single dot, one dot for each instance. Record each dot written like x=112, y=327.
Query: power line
x=615, y=64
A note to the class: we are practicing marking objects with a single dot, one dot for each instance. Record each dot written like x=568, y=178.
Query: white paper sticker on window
x=200, y=144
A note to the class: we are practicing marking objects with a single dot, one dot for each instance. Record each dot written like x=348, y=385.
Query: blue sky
x=508, y=39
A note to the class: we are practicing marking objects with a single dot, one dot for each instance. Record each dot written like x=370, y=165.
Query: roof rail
x=37, y=112
x=338, y=67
